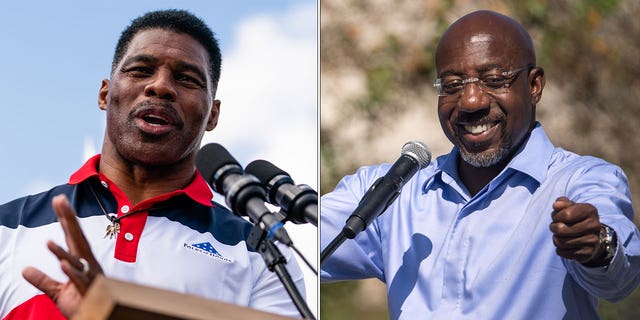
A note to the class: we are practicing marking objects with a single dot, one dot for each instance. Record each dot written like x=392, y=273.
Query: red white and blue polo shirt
x=181, y=241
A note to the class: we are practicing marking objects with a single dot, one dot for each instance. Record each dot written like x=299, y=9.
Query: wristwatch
x=605, y=249
x=608, y=241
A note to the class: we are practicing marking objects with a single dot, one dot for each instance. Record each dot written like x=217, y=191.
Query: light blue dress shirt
x=445, y=254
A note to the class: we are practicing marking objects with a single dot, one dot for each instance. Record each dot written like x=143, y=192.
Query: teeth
x=478, y=128
x=155, y=119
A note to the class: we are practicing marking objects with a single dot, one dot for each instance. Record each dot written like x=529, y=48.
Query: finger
x=63, y=255
x=79, y=279
x=561, y=203
x=42, y=281
x=587, y=226
x=581, y=255
x=75, y=239
x=73, y=268
x=576, y=213
x=572, y=243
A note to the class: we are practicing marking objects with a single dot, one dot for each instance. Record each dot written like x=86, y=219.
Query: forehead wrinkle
x=139, y=58
x=182, y=65
x=479, y=70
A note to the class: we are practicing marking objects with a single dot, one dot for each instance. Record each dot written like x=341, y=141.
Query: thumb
x=41, y=281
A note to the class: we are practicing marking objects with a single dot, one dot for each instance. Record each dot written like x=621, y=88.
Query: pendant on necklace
x=113, y=229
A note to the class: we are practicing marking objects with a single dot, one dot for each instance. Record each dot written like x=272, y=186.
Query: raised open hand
x=78, y=263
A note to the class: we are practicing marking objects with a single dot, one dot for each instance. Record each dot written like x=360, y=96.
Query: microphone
x=299, y=203
x=244, y=193
x=415, y=155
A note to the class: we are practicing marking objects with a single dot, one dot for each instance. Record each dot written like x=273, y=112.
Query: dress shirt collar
x=533, y=159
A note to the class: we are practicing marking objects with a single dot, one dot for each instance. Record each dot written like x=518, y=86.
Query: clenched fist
x=576, y=231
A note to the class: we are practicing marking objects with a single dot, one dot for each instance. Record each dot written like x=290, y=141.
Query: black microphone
x=415, y=155
x=299, y=203
x=244, y=193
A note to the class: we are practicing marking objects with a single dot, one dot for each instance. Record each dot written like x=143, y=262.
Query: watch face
x=607, y=241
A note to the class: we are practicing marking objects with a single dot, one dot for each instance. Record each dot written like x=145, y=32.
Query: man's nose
x=161, y=85
x=473, y=98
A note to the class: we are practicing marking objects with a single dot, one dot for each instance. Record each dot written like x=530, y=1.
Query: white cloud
x=88, y=149
x=268, y=90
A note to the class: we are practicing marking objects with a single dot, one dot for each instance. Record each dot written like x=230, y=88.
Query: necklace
x=113, y=229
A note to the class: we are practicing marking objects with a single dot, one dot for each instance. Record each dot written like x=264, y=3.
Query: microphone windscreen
x=264, y=170
x=212, y=157
x=419, y=151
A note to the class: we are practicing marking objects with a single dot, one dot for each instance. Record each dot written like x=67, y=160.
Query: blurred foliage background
x=377, y=69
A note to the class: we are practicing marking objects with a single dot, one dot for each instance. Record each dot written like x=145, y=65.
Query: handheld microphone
x=244, y=193
x=415, y=155
x=299, y=203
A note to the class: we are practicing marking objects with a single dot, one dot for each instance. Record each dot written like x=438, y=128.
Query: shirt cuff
x=615, y=264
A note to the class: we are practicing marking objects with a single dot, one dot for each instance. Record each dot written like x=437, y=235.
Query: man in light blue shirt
x=506, y=226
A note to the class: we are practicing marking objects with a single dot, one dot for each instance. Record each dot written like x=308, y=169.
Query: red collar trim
x=198, y=190
x=89, y=169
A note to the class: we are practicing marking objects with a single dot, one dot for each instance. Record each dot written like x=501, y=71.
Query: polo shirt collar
x=198, y=190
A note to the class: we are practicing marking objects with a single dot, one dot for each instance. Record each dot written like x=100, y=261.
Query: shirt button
x=128, y=236
x=104, y=184
x=124, y=209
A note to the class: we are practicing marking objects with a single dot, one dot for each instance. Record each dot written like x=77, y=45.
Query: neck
x=476, y=178
x=140, y=182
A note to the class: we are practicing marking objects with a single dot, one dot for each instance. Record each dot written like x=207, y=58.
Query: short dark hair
x=179, y=21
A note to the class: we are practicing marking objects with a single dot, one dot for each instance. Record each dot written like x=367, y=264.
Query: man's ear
x=102, y=94
x=213, y=117
x=536, y=83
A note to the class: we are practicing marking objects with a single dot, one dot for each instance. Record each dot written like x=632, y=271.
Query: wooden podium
x=119, y=300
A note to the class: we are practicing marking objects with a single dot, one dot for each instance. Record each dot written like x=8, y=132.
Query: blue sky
x=55, y=53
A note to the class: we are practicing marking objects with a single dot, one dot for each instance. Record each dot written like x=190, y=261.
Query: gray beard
x=488, y=158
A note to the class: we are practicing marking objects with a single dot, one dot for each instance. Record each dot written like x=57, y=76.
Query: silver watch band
x=608, y=241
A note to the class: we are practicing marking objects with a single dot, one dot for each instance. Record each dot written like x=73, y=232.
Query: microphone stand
x=275, y=262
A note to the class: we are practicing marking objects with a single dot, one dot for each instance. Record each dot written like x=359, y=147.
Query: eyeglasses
x=493, y=82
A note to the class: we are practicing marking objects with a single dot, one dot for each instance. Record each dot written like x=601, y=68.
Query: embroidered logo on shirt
x=208, y=249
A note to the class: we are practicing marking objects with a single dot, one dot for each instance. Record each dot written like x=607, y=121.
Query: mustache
x=165, y=109
x=479, y=116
